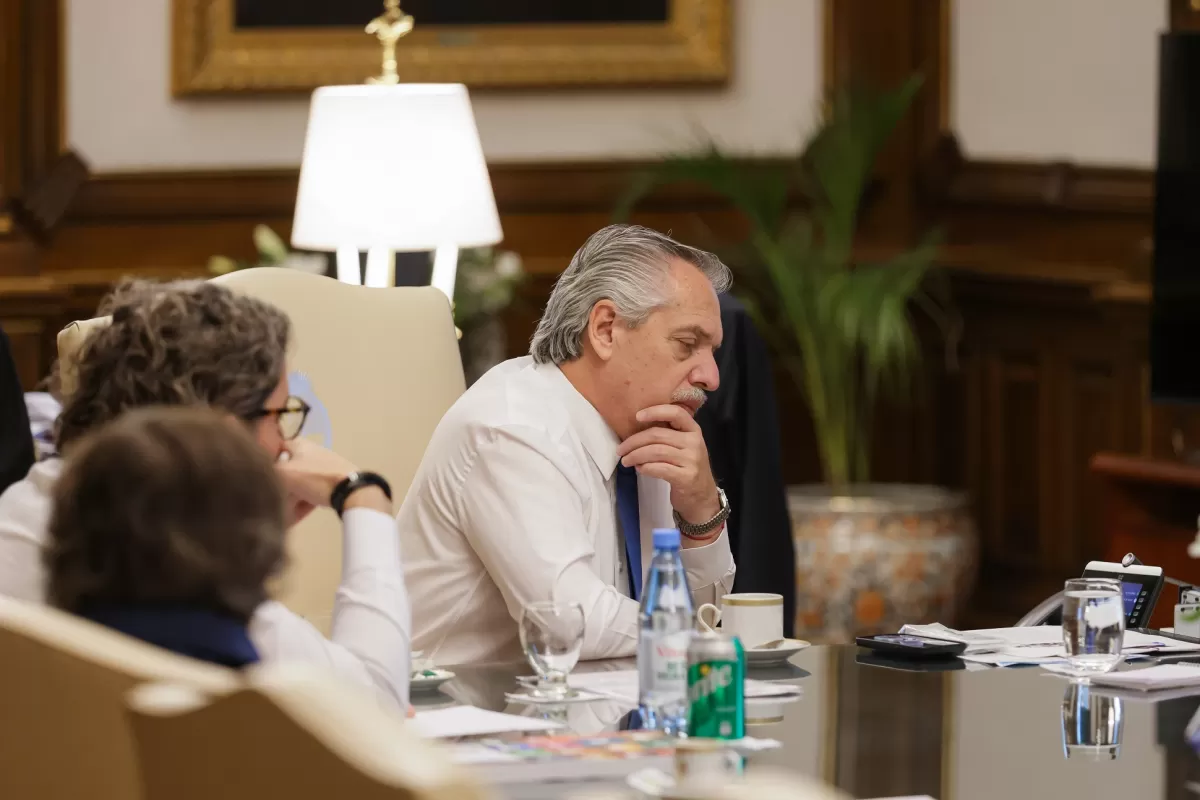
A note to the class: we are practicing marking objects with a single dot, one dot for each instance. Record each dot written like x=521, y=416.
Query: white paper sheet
x=1042, y=644
x=446, y=723
x=976, y=641
x=622, y=686
x=1163, y=676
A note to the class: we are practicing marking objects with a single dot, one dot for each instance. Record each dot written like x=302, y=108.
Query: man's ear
x=601, y=329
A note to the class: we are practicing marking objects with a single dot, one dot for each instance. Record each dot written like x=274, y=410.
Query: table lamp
x=391, y=166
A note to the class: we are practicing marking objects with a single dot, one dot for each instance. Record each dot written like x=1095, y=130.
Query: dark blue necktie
x=627, y=517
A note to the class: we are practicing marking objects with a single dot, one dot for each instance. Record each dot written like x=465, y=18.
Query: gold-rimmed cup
x=754, y=617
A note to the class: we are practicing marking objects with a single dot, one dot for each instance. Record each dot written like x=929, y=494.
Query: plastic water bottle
x=665, y=631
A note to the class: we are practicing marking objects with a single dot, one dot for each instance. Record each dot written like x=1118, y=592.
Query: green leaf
x=842, y=329
x=759, y=193
x=271, y=248
x=222, y=265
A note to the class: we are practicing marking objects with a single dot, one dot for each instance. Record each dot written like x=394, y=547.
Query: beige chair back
x=70, y=342
x=290, y=732
x=63, y=681
x=385, y=365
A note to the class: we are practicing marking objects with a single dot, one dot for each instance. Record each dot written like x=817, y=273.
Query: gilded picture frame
x=210, y=55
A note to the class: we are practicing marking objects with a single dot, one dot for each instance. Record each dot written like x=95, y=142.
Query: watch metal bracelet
x=703, y=529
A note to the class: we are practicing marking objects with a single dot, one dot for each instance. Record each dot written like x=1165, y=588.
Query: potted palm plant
x=870, y=557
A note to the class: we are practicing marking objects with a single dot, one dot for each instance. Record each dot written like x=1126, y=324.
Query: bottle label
x=666, y=662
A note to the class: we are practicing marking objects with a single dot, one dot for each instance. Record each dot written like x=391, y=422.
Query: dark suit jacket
x=741, y=430
x=16, y=440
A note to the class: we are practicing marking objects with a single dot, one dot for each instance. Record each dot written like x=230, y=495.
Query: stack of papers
x=622, y=686
x=1040, y=644
x=1163, y=676
x=452, y=723
x=567, y=757
x=976, y=641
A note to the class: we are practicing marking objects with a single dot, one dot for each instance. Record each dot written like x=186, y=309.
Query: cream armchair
x=63, y=732
x=290, y=732
x=70, y=342
x=385, y=365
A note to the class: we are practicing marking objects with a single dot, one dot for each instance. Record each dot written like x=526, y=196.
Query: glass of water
x=1093, y=624
x=552, y=636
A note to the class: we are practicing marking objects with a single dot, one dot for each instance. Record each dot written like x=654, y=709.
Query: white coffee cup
x=754, y=617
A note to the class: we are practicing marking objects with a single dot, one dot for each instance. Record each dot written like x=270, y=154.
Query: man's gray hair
x=627, y=264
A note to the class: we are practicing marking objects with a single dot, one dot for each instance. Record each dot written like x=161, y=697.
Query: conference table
x=939, y=730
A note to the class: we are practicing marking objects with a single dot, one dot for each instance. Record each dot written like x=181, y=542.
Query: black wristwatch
x=703, y=529
x=351, y=484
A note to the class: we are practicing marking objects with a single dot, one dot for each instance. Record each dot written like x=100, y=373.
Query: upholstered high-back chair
x=63, y=681
x=382, y=367
x=70, y=342
x=290, y=732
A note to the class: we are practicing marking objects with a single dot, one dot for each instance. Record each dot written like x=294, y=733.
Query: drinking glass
x=1091, y=724
x=552, y=636
x=1093, y=624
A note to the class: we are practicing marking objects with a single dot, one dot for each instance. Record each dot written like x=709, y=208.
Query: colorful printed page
x=550, y=758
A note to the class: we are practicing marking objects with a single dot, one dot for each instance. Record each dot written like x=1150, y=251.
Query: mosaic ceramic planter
x=879, y=556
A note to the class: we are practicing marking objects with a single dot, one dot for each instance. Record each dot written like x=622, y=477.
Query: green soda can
x=716, y=687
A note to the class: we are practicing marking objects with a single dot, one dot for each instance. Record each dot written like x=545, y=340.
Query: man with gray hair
x=545, y=480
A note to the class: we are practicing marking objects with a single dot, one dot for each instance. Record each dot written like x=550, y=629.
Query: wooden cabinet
x=1149, y=507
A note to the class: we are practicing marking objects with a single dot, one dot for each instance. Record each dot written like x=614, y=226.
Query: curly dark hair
x=180, y=343
x=166, y=506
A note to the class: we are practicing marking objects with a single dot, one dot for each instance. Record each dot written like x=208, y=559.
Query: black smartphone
x=903, y=645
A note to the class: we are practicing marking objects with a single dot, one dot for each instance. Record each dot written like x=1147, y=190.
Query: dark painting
x=356, y=13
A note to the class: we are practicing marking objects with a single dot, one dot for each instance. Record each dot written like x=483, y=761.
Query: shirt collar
x=598, y=439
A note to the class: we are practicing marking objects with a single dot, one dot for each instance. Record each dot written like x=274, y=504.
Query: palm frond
x=843, y=329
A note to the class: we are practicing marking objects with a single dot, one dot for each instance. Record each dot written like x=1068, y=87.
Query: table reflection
x=1091, y=723
x=886, y=730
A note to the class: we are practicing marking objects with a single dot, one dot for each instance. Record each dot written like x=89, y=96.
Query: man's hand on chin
x=672, y=448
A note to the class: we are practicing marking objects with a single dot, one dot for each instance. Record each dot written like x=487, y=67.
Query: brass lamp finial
x=389, y=28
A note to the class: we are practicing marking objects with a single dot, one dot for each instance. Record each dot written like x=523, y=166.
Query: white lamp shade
x=398, y=167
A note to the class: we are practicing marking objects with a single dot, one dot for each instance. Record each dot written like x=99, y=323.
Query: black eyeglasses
x=290, y=418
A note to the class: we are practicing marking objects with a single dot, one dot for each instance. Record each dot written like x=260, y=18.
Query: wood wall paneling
x=1185, y=15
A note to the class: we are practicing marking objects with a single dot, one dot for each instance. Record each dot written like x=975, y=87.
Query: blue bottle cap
x=666, y=539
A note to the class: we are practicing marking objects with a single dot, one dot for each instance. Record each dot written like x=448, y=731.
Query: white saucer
x=768, y=657
x=421, y=682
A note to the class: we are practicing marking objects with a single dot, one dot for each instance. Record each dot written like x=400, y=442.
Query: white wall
x=1057, y=79
x=121, y=117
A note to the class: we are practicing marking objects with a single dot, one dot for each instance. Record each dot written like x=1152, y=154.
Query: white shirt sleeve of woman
x=370, y=639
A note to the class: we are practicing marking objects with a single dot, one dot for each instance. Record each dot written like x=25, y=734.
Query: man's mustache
x=692, y=395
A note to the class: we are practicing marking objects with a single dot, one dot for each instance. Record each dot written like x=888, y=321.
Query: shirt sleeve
x=24, y=527
x=710, y=570
x=370, y=641
x=525, y=520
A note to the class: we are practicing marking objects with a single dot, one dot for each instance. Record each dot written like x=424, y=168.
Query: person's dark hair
x=182, y=343
x=166, y=506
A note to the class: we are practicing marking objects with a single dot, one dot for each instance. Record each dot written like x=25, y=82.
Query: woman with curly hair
x=196, y=343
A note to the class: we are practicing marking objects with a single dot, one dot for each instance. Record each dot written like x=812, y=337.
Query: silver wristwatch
x=704, y=528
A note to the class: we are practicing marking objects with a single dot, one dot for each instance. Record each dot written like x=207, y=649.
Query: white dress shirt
x=515, y=502
x=370, y=639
